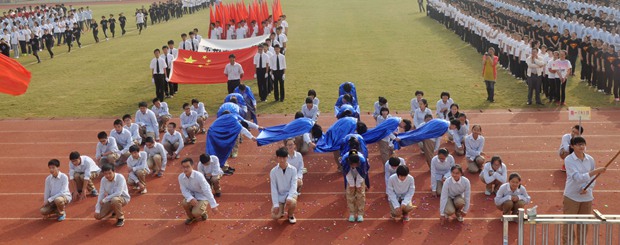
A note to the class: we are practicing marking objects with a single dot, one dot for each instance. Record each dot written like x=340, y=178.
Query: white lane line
x=310, y=193
x=242, y=219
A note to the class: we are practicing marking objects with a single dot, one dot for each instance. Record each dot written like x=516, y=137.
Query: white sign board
x=579, y=113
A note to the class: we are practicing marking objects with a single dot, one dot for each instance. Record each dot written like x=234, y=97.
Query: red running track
x=526, y=140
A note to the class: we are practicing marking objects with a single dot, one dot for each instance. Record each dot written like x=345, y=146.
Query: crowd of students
x=28, y=30
x=541, y=41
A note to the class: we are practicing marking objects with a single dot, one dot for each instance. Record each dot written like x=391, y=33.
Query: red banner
x=208, y=67
x=14, y=78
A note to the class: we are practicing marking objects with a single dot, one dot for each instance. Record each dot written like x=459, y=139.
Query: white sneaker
x=292, y=220
x=143, y=191
x=459, y=218
x=487, y=192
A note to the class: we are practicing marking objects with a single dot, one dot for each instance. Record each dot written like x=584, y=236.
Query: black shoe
x=189, y=221
x=218, y=194
x=120, y=223
x=231, y=169
x=538, y=103
x=228, y=173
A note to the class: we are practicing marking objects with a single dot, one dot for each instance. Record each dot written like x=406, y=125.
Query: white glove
x=254, y=75
x=283, y=77
x=266, y=74
x=271, y=76
x=153, y=80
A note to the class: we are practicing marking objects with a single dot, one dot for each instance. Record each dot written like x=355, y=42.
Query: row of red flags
x=254, y=11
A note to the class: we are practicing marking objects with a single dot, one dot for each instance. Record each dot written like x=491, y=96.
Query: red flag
x=276, y=10
x=14, y=78
x=208, y=67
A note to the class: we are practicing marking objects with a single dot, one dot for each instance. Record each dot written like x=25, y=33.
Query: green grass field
x=387, y=48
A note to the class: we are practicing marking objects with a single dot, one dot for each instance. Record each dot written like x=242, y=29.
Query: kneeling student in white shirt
x=173, y=141
x=196, y=193
x=400, y=189
x=138, y=169
x=493, y=175
x=512, y=196
x=57, y=194
x=209, y=166
x=283, y=179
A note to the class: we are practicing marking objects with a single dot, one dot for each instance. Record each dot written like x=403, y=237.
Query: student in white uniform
x=107, y=149
x=565, y=146
x=493, y=175
x=196, y=193
x=162, y=113
x=57, y=194
x=202, y=113
x=189, y=124
x=400, y=188
x=113, y=195
x=474, y=143
x=443, y=105
x=415, y=102
x=455, y=196
x=173, y=141
x=440, y=170
x=380, y=103
x=310, y=110
x=283, y=179
x=133, y=128
x=146, y=119
x=209, y=166
x=82, y=171
x=391, y=165
x=138, y=169
x=123, y=139
x=420, y=113
x=157, y=159
x=511, y=196
x=296, y=160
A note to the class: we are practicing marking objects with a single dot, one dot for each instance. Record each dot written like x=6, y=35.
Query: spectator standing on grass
x=113, y=195
x=563, y=71
x=535, y=66
x=277, y=63
x=489, y=72
x=196, y=193
x=57, y=194
x=283, y=179
x=158, y=69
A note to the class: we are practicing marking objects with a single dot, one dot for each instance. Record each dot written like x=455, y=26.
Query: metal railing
x=583, y=222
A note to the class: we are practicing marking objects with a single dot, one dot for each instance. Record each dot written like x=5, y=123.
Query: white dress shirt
x=234, y=71
x=162, y=110
x=452, y=189
x=134, y=130
x=162, y=65
x=158, y=148
x=273, y=62
x=474, y=146
x=196, y=187
x=535, y=66
x=500, y=175
x=257, y=60
x=283, y=184
x=87, y=165
x=400, y=190
x=56, y=187
x=110, y=189
x=505, y=194
x=109, y=147
x=441, y=105
x=418, y=116
x=149, y=120
x=297, y=161
x=123, y=139
x=137, y=164
x=389, y=171
x=312, y=113
x=200, y=110
x=188, y=121
x=577, y=177
x=211, y=169
x=173, y=139
x=440, y=170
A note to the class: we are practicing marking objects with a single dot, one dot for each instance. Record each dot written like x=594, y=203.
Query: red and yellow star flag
x=14, y=78
x=208, y=67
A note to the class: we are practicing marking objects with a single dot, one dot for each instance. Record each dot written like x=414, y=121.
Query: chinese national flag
x=14, y=78
x=208, y=67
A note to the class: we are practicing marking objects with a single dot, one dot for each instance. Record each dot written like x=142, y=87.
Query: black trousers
x=278, y=85
x=616, y=89
x=168, y=88
x=112, y=30
x=545, y=85
x=573, y=63
x=562, y=90
x=533, y=85
x=105, y=32
x=122, y=29
x=160, y=82
x=584, y=71
x=22, y=46
x=96, y=36
x=490, y=89
x=49, y=49
x=609, y=80
x=261, y=80
x=232, y=84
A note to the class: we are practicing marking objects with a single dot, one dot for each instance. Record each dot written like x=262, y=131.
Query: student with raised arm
x=82, y=170
x=113, y=195
x=400, y=188
x=283, y=179
x=455, y=195
x=440, y=170
x=138, y=169
x=474, y=143
x=209, y=166
x=196, y=193
x=57, y=194
x=173, y=141
x=580, y=170
x=511, y=196
x=493, y=175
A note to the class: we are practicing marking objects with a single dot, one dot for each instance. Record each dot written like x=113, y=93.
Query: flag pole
x=595, y=177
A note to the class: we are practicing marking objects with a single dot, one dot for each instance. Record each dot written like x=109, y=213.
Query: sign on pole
x=579, y=113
